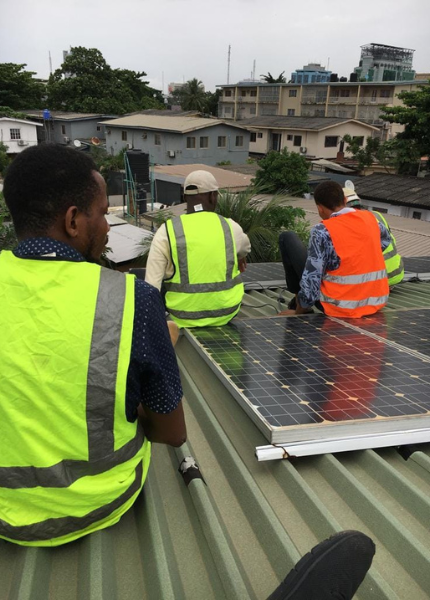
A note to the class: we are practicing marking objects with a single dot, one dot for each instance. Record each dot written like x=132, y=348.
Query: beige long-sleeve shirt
x=160, y=265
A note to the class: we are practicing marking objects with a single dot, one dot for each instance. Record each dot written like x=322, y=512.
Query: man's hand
x=300, y=310
x=242, y=264
x=163, y=429
x=173, y=332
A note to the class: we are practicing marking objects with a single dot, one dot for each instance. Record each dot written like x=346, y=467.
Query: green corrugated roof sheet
x=237, y=535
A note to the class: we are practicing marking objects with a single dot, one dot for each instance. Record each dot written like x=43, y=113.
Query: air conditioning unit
x=22, y=143
x=303, y=149
x=171, y=153
x=66, y=140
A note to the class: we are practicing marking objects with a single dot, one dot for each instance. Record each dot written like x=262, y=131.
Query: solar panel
x=266, y=275
x=316, y=378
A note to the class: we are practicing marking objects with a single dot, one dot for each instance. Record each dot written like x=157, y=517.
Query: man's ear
x=71, y=221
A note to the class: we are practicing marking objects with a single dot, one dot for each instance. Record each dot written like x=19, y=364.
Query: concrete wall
x=400, y=211
x=176, y=143
x=28, y=135
x=75, y=130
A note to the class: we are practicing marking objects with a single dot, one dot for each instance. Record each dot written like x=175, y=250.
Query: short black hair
x=329, y=194
x=43, y=182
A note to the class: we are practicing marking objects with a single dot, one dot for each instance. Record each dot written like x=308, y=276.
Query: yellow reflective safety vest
x=393, y=260
x=70, y=462
x=206, y=287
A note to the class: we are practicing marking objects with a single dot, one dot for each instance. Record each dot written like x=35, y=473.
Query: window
x=358, y=139
x=227, y=93
x=259, y=135
x=63, y=129
x=416, y=215
x=157, y=139
x=253, y=137
x=291, y=112
x=384, y=93
x=297, y=140
x=239, y=141
x=222, y=141
x=204, y=141
x=252, y=110
x=380, y=210
x=292, y=93
x=124, y=136
x=289, y=138
x=15, y=134
x=99, y=128
x=330, y=141
x=253, y=93
x=243, y=93
x=191, y=142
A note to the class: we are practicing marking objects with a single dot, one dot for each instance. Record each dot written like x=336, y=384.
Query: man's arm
x=321, y=256
x=159, y=260
x=243, y=245
x=164, y=429
x=385, y=236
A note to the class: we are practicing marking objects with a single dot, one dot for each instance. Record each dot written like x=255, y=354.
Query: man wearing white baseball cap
x=198, y=257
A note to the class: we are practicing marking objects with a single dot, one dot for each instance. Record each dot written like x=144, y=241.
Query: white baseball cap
x=200, y=182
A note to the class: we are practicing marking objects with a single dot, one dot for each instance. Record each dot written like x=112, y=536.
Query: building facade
x=312, y=73
x=66, y=127
x=171, y=140
x=348, y=100
x=379, y=62
x=18, y=134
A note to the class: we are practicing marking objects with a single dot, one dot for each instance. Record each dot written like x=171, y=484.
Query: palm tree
x=270, y=79
x=192, y=96
x=262, y=220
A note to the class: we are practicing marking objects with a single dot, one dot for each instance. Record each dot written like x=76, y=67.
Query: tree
x=4, y=158
x=191, y=96
x=212, y=99
x=8, y=239
x=18, y=89
x=86, y=83
x=283, y=172
x=372, y=151
x=270, y=79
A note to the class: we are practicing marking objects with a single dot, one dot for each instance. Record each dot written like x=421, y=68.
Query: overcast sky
x=176, y=40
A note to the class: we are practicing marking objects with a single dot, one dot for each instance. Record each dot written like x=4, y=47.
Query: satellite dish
x=95, y=141
x=77, y=143
x=349, y=185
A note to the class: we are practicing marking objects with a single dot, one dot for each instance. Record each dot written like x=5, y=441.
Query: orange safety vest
x=359, y=286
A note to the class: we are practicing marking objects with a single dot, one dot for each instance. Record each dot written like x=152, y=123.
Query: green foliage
x=192, y=96
x=415, y=116
x=4, y=158
x=107, y=162
x=262, y=222
x=18, y=89
x=270, y=79
x=8, y=238
x=283, y=172
x=7, y=111
x=224, y=163
x=372, y=151
x=86, y=83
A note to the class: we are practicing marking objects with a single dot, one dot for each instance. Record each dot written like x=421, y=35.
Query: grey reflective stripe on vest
x=395, y=272
x=203, y=314
x=351, y=304
x=101, y=384
x=391, y=253
x=196, y=288
x=356, y=279
x=65, y=525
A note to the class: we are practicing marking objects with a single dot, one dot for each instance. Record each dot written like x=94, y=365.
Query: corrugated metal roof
x=236, y=535
x=67, y=116
x=225, y=179
x=181, y=124
x=395, y=189
x=125, y=242
x=308, y=123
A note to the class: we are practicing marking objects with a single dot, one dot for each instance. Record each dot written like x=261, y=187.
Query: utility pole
x=228, y=64
x=50, y=62
x=253, y=70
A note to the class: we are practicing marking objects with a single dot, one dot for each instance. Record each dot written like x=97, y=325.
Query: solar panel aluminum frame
x=412, y=428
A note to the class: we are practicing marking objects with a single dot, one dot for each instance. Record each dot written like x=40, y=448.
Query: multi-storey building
x=312, y=73
x=350, y=100
x=379, y=62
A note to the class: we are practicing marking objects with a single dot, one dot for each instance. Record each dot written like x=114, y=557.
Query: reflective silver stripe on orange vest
x=203, y=314
x=351, y=304
x=101, y=383
x=195, y=288
x=65, y=525
x=356, y=279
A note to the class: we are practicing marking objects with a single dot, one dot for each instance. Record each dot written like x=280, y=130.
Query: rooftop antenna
x=328, y=63
x=253, y=70
x=50, y=62
x=162, y=81
x=228, y=64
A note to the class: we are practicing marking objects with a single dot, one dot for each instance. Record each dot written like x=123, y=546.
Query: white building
x=18, y=134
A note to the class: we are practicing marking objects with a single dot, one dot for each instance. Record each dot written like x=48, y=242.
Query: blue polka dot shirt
x=153, y=374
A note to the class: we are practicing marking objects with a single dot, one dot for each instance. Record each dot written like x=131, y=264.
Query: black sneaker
x=334, y=569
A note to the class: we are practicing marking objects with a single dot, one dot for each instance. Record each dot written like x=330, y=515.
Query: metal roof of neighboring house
x=67, y=116
x=321, y=84
x=303, y=123
x=225, y=179
x=395, y=189
x=125, y=242
x=181, y=124
x=235, y=535
x=164, y=113
x=20, y=121
x=329, y=164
